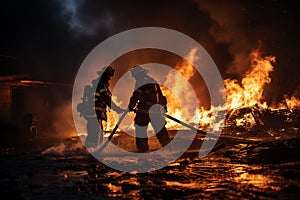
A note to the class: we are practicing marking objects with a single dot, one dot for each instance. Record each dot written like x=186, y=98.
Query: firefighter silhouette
x=146, y=96
x=95, y=102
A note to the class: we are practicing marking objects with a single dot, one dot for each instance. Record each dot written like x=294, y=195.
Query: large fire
x=247, y=93
x=186, y=112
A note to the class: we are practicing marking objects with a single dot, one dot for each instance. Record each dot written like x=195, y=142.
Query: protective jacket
x=147, y=93
x=103, y=100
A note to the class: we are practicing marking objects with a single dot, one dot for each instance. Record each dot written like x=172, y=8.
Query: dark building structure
x=27, y=105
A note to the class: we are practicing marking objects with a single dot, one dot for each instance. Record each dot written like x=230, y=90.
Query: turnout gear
x=103, y=101
x=147, y=94
x=86, y=107
x=95, y=102
x=147, y=91
x=138, y=70
x=107, y=70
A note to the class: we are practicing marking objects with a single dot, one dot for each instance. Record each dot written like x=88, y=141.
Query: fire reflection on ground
x=266, y=170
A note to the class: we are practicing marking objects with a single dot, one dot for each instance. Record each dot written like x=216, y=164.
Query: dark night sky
x=50, y=39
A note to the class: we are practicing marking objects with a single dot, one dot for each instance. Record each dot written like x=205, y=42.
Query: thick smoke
x=228, y=27
x=243, y=26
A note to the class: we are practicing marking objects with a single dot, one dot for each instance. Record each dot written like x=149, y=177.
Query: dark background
x=49, y=39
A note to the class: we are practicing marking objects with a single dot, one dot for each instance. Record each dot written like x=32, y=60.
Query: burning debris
x=246, y=107
x=245, y=104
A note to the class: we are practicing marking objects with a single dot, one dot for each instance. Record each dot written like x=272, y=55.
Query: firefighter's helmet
x=107, y=70
x=138, y=70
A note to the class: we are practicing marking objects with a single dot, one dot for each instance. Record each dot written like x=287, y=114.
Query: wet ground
x=268, y=168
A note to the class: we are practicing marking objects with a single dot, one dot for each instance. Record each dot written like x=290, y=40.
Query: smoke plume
x=228, y=27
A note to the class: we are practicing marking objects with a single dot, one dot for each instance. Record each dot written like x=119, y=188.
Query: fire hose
x=184, y=124
x=181, y=122
x=113, y=132
x=166, y=115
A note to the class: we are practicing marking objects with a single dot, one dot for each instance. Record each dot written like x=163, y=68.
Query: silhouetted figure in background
x=146, y=94
x=29, y=126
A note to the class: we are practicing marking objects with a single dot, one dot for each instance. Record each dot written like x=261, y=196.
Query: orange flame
x=246, y=93
x=111, y=117
x=293, y=102
x=186, y=68
x=178, y=86
x=250, y=91
x=290, y=103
